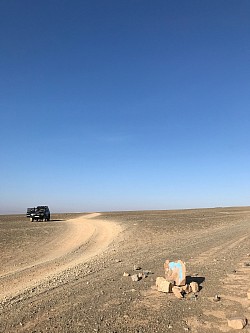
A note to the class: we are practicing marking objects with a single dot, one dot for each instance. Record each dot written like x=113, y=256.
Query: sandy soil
x=80, y=239
x=67, y=275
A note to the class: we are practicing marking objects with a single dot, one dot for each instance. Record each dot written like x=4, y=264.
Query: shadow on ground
x=198, y=279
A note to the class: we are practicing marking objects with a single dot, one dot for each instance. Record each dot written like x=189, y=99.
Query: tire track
x=83, y=239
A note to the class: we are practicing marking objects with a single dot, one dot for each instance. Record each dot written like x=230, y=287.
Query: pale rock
x=187, y=289
x=137, y=267
x=118, y=260
x=177, y=291
x=126, y=274
x=193, y=297
x=163, y=285
x=216, y=298
x=237, y=323
x=194, y=286
x=175, y=271
x=135, y=277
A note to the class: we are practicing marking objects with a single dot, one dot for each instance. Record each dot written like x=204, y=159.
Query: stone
x=216, y=298
x=126, y=274
x=194, y=286
x=193, y=297
x=237, y=323
x=175, y=271
x=248, y=294
x=187, y=289
x=135, y=277
x=137, y=267
x=118, y=260
x=147, y=272
x=177, y=291
x=163, y=285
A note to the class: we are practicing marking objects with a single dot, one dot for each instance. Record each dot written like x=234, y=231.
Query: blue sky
x=124, y=105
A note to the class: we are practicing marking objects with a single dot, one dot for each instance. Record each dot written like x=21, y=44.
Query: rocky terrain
x=67, y=275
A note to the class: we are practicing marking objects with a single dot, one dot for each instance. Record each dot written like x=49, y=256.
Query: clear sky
x=124, y=104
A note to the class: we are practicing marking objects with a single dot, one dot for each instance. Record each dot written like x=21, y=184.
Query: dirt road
x=81, y=239
x=85, y=290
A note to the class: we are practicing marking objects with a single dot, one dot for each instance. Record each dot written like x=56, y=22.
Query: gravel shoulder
x=88, y=292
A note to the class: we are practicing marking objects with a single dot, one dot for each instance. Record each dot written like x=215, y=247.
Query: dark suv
x=40, y=213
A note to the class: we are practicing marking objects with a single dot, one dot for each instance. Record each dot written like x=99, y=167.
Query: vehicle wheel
x=31, y=219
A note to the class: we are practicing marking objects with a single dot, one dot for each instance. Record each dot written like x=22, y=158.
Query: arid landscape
x=67, y=275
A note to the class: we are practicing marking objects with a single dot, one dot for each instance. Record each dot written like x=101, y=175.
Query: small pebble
x=216, y=298
x=137, y=268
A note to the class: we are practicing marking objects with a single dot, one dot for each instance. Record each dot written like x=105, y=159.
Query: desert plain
x=67, y=275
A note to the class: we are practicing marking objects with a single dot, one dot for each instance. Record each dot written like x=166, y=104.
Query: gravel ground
x=94, y=296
